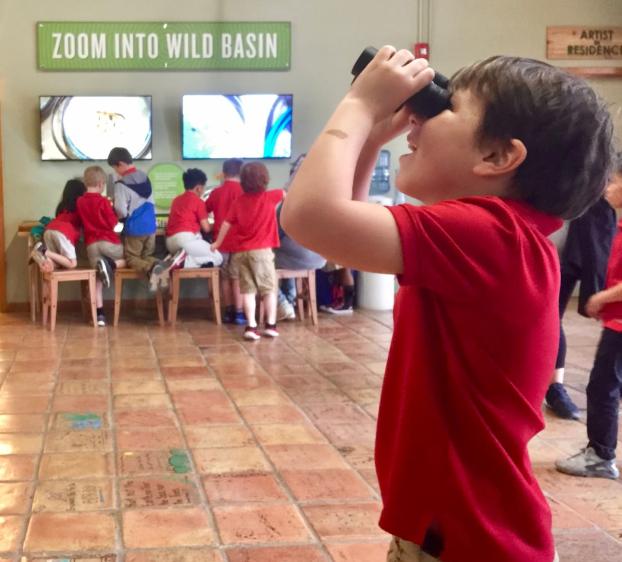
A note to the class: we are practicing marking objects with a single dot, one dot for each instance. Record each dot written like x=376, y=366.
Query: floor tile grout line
x=204, y=503
x=49, y=418
x=276, y=473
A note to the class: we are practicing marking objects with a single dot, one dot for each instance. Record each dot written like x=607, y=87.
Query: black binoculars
x=430, y=101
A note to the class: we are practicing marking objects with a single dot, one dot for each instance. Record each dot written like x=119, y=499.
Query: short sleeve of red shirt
x=452, y=248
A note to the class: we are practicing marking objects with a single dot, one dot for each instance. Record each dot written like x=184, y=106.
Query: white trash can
x=376, y=291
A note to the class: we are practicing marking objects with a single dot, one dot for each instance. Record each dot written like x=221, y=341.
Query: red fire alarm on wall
x=422, y=51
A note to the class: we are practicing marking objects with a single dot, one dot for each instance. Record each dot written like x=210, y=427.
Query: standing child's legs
x=603, y=401
x=231, y=297
x=269, y=303
x=603, y=395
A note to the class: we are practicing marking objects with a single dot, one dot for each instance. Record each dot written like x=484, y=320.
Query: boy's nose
x=417, y=120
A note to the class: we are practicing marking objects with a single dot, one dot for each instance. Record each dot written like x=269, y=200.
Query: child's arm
x=205, y=225
x=120, y=200
x=319, y=212
x=224, y=229
x=598, y=300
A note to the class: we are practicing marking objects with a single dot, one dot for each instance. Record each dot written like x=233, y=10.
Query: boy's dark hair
x=254, y=177
x=564, y=125
x=119, y=154
x=193, y=177
x=73, y=189
x=231, y=168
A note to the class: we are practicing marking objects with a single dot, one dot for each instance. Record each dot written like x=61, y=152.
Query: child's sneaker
x=174, y=262
x=240, y=318
x=101, y=320
x=587, y=463
x=341, y=309
x=558, y=401
x=250, y=333
x=229, y=315
x=104, y=271
x=270, y=331
x=285, y=311
x=155, y=275
x=38, y=254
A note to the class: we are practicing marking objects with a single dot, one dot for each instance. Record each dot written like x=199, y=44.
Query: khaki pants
x=139, y=252
x=404, y=551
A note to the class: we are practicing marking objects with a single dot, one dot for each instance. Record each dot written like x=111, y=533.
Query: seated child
x=254, y=218
x=219, y=202
x=476, y=323
x=62, y=233
x=186, y=220
x=103, y=245
x=604, y=390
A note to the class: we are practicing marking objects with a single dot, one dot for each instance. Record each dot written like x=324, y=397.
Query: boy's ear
x=501, y=158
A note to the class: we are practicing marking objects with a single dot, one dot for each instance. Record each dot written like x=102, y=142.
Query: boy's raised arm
x=319, y=211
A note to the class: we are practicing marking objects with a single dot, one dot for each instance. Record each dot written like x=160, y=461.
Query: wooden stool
x=210, y=273
x=124, y=274
x=305, y=290
x=50, y=291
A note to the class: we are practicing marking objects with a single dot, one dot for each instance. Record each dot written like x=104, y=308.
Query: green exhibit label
x=163, y=45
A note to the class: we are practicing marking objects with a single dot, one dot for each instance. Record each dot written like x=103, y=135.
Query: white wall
x=327, y=36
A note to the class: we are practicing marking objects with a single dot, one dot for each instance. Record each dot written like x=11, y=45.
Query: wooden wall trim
x=3, y=303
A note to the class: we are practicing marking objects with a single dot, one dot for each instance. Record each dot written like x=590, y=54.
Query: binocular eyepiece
x=430, y=101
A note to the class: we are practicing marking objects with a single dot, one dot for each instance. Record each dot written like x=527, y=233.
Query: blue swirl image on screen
x=242, y=126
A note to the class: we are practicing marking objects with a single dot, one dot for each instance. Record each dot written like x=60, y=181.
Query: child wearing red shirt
x=253, y=216
x=598, y=458
x=186, y=220
x=62, y=233
x=219, y=202
x=103, y=245
x=476, y=323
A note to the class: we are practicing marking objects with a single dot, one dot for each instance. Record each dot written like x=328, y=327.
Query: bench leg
x=118, y=293
x=33, y=273
x=160, y=306
x=53, y=303
x=216, y=297
x=174, y=301
x=45, y=302
x=300, y=298
x=312, y=297
x=93, y=298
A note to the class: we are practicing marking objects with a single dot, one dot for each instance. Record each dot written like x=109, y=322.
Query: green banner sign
x=163, y=46
x=167, y=183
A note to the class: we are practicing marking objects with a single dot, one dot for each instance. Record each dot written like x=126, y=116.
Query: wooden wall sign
x=584, y=43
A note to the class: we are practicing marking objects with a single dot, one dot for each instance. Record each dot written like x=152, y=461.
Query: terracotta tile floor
x=143, y=444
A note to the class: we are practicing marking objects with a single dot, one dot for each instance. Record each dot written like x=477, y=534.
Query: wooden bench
x=306, y=294
x=50, y=282
x=211, y=274
x=125, y=274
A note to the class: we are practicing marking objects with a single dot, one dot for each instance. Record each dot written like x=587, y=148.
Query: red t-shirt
x=475, y=339
x=253, y=216
x=187, y=212
x=67, y=223
x=220, y=200
x=98, y=218
x=612, y=312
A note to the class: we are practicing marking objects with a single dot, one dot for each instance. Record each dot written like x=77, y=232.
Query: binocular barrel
x=428, y=102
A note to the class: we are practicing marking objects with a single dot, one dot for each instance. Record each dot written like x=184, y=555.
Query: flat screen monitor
x=87, y=127
x=236, y=126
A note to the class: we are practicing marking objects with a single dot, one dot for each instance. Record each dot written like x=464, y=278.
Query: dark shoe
x=104, y=271
x=240, y=318
x=229, y=316
x=101, y=320
x=558, y=401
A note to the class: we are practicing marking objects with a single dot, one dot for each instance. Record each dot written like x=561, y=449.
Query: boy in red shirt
x=604, y=389
x=476, y=319
x=187, y=219
x=103, y=245
x=219, y=202
x=253, y=216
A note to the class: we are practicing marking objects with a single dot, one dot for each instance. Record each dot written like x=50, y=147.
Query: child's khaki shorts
x=256, y=271
x=404, y=551
x=101, y=249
